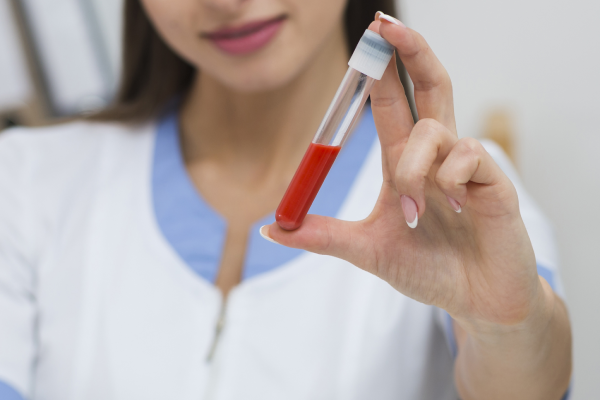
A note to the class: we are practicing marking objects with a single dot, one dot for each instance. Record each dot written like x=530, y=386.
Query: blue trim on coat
x=197, y=232
x=7, y=392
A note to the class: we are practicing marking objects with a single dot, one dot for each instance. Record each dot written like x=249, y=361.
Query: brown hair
x=152, y=73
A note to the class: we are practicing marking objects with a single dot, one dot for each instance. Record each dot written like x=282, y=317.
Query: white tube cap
x=372, y=55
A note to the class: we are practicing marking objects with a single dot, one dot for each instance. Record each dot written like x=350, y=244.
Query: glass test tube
x=367, y=65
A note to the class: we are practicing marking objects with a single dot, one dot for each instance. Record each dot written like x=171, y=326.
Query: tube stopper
x=372, y=55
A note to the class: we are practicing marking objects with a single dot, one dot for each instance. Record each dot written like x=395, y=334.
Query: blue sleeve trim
x=567, y=395
x=450, y=335
x=8, y=393
x=548, y=275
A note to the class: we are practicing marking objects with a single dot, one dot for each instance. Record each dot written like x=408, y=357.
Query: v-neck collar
x=197, y=232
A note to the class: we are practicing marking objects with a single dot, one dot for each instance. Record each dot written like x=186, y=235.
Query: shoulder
x=44, y=170
x=66, y=142
x=67, y=151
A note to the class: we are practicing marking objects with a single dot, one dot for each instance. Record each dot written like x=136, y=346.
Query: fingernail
x=265, y=235
x=455, y=204
x=409, y=208
x=388, y=18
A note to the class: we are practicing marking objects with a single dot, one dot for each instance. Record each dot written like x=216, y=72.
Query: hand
x=446, y=231
x=469, y=252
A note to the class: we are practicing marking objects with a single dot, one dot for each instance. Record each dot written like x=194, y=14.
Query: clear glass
x=341, y=117
x=345, y=109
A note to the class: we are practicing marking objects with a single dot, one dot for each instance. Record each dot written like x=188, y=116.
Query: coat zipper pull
x=218, y=329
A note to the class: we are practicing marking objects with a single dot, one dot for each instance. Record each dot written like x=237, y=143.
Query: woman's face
x=248, y=45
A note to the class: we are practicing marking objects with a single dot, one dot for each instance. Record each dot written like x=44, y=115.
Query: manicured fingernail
x=265, y=234
x=455, y=204
x=388, y=18
x=409, y=207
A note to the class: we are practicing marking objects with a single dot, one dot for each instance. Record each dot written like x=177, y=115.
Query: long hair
x=153, y=74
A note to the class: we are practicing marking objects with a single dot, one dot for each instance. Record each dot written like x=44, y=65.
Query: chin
x=259, y=75
x=258, y=83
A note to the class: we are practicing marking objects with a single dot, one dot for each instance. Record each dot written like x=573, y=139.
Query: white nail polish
x=391, y=19
x=455, y=204
x=410, y=209
x=265, y=236
x=413, y=224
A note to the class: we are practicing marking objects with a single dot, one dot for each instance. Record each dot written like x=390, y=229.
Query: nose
x=227, y=7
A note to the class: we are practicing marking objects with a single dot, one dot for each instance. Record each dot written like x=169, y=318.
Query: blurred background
x=526, y=73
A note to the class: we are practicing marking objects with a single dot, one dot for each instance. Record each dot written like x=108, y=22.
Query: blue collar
x=197, y=233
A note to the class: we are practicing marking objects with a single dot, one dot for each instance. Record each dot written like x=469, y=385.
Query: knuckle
x=322, y=242
x=428, y=124
x=414, y=45
x=329, y=236
x=444, y=180
x=414, y=180
x=385, y=102
x=471, y=145
x=439, y=79
x=445, y=79
x=433, y=131
x=414, y=50
x=428, y=127
x=408, y=181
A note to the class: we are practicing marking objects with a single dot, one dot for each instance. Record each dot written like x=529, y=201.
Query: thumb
x=321, y=235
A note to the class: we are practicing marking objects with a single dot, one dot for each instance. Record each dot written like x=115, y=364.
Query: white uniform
x=95, y=304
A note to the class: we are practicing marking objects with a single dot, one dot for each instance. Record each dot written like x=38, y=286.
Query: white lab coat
x=95, y=304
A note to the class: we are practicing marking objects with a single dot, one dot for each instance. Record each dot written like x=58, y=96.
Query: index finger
x=391, y=111
x=433, y=88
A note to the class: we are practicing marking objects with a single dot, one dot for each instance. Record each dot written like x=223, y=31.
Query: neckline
x=197, y=232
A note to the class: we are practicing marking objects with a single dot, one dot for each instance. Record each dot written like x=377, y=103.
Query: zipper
x=211, y=387
x=218, y=331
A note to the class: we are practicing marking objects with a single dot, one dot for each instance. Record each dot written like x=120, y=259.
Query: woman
x=130, y=261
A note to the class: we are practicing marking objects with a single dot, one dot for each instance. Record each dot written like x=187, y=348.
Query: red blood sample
x=305, y=185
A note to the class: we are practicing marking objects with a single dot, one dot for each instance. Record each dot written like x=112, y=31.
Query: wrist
x=534, y=322
x=531, y=359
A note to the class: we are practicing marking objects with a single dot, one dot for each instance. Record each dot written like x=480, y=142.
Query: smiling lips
x=247, y=38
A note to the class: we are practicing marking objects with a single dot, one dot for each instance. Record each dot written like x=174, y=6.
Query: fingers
x=391, y=112
x=393, y=117
x=321, y=235
x=433, y=88
x=469, y=171
x=466, y=171
x=428, y=142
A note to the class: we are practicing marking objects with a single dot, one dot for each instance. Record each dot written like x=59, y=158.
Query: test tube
x=367, y=64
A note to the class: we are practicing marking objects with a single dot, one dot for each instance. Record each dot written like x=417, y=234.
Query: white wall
x=70, y=61
x=541, y=61
x=15, y=86
x=110, y=19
